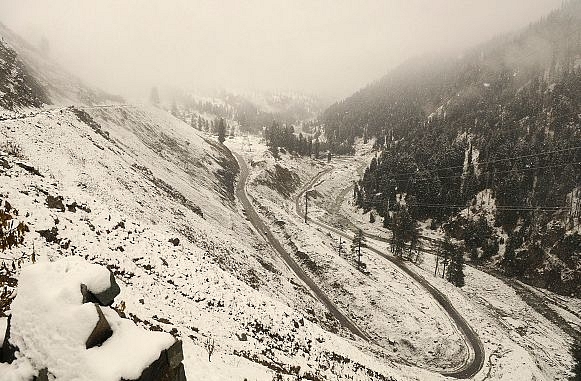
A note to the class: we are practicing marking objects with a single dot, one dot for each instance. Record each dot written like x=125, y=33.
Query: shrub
x=12, y=149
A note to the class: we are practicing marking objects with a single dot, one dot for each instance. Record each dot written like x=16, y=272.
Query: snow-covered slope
x=17, y=87
x=116, y=184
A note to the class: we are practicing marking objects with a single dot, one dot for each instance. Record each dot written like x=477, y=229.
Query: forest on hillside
x=500, y=123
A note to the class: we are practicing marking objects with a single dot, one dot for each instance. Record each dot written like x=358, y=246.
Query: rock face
x=7, y=352
x=101, y=332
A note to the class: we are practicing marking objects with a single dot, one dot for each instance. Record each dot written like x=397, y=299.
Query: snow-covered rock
x=50, y=326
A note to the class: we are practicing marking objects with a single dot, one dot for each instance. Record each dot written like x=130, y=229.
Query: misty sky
x=327, y=48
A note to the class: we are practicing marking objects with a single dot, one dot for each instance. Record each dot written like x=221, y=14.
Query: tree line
x=283, y=136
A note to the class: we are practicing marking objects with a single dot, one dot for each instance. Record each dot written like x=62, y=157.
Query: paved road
x=476, y=359
x=269, y=237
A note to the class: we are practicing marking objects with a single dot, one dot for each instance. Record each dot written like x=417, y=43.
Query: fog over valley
x=324, y=48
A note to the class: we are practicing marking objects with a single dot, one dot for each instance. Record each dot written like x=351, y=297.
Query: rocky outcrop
x=167, y=367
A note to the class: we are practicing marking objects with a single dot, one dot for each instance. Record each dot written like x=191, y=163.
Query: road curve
x=261, y=227
x=476, y=359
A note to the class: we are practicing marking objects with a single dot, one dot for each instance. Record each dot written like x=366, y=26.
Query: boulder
x=104, y=298
x=168, y=366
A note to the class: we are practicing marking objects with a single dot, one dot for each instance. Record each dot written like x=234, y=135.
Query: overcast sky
x=328, y=48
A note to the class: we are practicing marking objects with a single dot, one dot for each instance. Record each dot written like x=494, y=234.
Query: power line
x=497, y=207
x=426, y=171
x=492, y=172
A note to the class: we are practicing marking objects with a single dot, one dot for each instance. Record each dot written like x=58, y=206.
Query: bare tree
x=209, y=345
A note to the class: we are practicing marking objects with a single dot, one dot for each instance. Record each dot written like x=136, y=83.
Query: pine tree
x=316, y=148
x=576, y=352
x=455, y=273
x=372, y=217
x=404, y=229
x=387, y=220
x=358, y=243
x=509, y=262
x=444, y=255
x=221, y=131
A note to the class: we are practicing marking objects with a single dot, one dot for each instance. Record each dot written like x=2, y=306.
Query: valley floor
x=118, y=185
x=519, y=342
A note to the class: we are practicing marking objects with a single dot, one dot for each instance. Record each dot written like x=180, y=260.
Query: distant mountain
x=454, y=131
x=33, y=79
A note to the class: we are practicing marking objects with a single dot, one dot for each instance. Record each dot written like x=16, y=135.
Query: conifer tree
x=576, y=352
x=509, y=262
x=404, y=229
x=357, y=244
x=316, y=148
x=455, y=273
x=221, y=129
x=444, y=255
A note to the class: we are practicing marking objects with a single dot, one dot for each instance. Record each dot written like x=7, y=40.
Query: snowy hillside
x=115, y=190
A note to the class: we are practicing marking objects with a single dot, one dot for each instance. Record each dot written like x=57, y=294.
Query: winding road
x=476, y=349
x=475, y=359
x=265, y=232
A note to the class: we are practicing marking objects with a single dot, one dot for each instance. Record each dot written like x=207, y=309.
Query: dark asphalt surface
x=475, y=363
x=259, y=225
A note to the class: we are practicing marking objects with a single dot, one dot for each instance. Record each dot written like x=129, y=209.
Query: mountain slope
x=17, y=87
x=493, y=134
x=48, y=81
